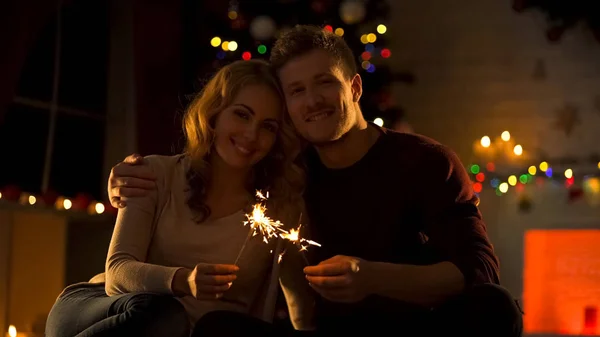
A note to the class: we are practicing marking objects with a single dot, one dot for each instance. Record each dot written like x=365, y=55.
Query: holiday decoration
x=564, y=15
x=504, y=171
x=81, y=203
x=352, y=11
x=263, y=28
x=525, y=204
x=566, y=119
x=539, y=71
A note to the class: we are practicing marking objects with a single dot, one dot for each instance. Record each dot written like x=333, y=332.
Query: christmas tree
x=247, y=29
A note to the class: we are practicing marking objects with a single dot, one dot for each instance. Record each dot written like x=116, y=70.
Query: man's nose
x=314, y=98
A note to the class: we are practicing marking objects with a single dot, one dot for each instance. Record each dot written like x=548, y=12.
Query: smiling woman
x=171, y=257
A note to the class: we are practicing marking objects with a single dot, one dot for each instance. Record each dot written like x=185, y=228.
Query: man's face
x=320, y=99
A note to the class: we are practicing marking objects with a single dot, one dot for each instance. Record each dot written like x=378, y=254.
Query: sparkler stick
x=250, y=232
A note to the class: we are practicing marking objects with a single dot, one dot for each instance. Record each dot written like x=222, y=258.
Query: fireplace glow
x=561, y=290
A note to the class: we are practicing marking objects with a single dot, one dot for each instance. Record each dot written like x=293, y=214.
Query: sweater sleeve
x=126, y=269
x=453, y=223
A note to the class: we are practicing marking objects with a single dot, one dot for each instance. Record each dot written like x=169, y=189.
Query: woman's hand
x=205, y=281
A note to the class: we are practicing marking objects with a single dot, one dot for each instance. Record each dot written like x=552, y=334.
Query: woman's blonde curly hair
x=277, y=173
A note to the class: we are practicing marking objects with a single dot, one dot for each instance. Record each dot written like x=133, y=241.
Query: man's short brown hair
x=303, y=39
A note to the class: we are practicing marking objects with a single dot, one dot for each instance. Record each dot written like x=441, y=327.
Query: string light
x=32, y=199
x=486, y=141
x=371, y=37
x=381, y=29
x=568, y=173
x=543, y=166
x=339, y=31
x=505, y=136
x=512, y=180
x=215, y=41
x=532, y=170
x=378, y=121
x=518, y=150
x=503, y=187
x=232, y=46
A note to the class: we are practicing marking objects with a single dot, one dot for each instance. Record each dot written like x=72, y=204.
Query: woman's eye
x=242, y=114
x=270, y=127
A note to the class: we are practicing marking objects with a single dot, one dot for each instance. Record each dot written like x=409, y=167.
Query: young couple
x=404, y=247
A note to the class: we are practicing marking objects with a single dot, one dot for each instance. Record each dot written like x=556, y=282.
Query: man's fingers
x=128, y=170
x=134, y=183
x=215, y=280
x=330, y=282
x=134, y=159
x=217, y=269
x=117, y=203
x=209, y=289
x=329, y=269
x=128, y=192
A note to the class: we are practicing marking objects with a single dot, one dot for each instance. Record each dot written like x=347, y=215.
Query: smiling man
x=404, y=247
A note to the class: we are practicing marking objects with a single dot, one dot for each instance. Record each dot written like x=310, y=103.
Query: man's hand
x=130, y=178
x=340, y=279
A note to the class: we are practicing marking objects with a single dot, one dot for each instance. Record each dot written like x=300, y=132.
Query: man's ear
x=356, y=86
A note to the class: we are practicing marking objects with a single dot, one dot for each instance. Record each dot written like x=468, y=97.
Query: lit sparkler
x=260, y=223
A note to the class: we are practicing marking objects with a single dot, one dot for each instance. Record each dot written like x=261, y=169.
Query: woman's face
x=246, y=130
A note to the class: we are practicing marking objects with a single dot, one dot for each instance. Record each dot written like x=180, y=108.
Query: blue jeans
x=84, y=310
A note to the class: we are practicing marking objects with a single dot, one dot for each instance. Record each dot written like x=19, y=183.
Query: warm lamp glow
x=12, y=331
x=32, y=200
x=505, y=136
x=486, y=141
x=67, y=204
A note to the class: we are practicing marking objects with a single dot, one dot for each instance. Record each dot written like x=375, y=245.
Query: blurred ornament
x=11, y=193
x=263, y=27
x=520, y=5
x=555, y=33
x=539, y=71
x=81, y=201
x=566, y=119
x=591, y=187
x=319, y=6
x=352, y=11
x=49, y=198
x=239, y=23
x=575, y=193
x=525, y=205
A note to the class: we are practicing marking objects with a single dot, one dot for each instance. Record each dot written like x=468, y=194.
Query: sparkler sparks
x=268, y=228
